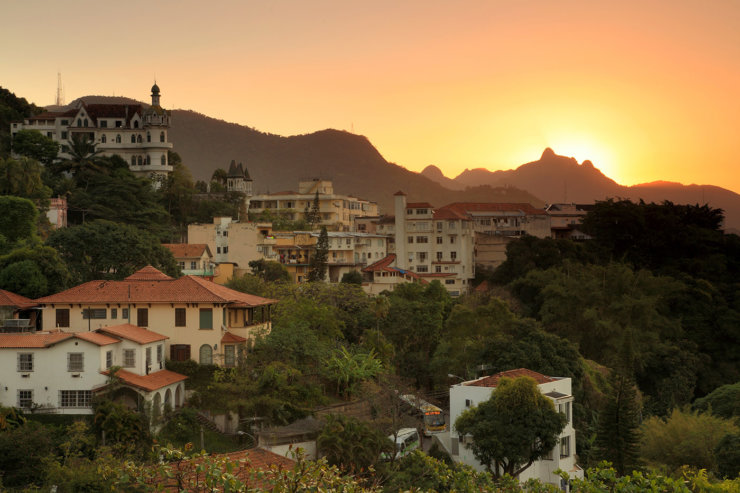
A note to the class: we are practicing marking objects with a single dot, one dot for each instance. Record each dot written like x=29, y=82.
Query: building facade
x=202, y=320
x=135, y=132
x=558, y=389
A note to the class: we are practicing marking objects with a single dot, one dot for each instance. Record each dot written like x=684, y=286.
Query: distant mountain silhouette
x=555, y=178
x=277, y=163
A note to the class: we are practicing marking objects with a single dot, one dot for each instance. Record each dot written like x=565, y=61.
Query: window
x=411, y=239
x=206, y=318
x=565, y=409
x=124, y=313
x=139, y=161
x=94, y=313
x=48, y=134
x=182, y=265
x=161, y=137
x=422, y=211
x=160, y=352
x=349, y=241
x=148, y=137
x=439, y=256
x=114, y=313
x=103, y=139
x=103, y=123
x=439, y=240
x=229, y=356
x=422, y=268
x=218, y=249
x=437, y=268
x=25, y=361
x=118, y=123
x=148, y=357
x=449, y=281
x=180, y=352
x=180, y=320
x=142, y=317
x=226, y=249
x=65, y=122
x=108, y=359
x=564, y=446
x=75, y=362
x=453, y=255
x=451, y=224
x=138, y=139
x=206, y=354
x=118, y=138
x=422, y=256
x=422, y=239
x=453, y=239
x=410, y=211
x=64, y=135
x=129, y=358
x=62, y=317
x=75, y=398
x=163, y=160
x=25, y=398
x=193, y=264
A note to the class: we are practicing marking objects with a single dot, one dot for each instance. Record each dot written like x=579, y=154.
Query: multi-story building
x=61, y=371
x=238, y=180
x=336, y=211
x=566, y=219
x=471, y=393
x=234, y=241
x=204, y=321
x=135, y=132
x=194, y=259
x=435, y=244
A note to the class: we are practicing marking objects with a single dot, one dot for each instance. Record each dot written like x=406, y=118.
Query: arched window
x=133, y=160
x=79, y=122
x=85, y=122
x=148, y=159
x=148, y=137
x=118, y=138
x=138, y=138
x=133, y=138
x=141, y=161
x=163, y=160
x=136, y=124
x=103, y=139
x=161, y=136
x=206, y=355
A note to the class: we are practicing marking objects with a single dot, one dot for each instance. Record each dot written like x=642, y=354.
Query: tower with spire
x=238, y=180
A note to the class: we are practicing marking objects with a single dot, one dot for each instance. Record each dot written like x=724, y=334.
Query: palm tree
x=83, y=156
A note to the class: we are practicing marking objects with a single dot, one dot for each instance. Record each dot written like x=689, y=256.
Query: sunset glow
x=645, y=90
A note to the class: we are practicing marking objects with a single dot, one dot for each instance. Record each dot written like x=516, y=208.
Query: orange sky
x=647, y=90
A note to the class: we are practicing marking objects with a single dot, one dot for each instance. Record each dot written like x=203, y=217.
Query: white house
x=60, y=372
x=471, y=393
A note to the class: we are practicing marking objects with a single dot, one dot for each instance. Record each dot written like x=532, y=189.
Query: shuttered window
x=142, y=317
x=206, y=318
x=180, y=320
x=62, y=317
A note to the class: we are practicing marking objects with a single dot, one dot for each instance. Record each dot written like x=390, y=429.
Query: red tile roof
x=232, y=338
x=151, y=382
x=33, y=340
x=247, y=462
x=96, y=338
x=11, y=299
x=148, y=273
x=133, y=333
x=492, y=380
x=187, y=250
x=382, y=264
x=151, y=286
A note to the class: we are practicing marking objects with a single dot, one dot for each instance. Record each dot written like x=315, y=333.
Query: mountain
x=435, y=174
x=555, y=178
x=278, y=163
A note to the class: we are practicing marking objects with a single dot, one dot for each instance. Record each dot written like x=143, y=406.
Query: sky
x=646, y=90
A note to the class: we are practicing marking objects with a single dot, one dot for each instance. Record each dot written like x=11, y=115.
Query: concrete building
x=471, y=393
x=203, y=321
x=337, y=212
x=135, y=132
x=234, y=241
x=60, y=372
x=194, y=259
x=565, y=220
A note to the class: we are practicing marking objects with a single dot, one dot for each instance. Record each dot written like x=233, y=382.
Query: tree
x=17, y=219
x=313, y=215
x=106, y=250
x=350, y=444
x=24, y=278
x=685, y=438
x=220, y=176
x=318, y=262
x=33, y=144
x=618, y=436
x=22, y=178
x=515, y=427
x=269, y=270
x=723, y=401
x=727, y=455
x=352, y=277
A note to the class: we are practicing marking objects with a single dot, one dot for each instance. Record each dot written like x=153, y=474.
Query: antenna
x=60, y=90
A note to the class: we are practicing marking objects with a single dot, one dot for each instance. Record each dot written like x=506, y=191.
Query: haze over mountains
x=277, y=163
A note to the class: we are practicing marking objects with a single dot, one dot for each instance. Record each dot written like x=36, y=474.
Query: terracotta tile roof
x=248, y=461
x=232, y=338
x=187, y=250
x=382, y=264
x=11, y=299
x=33, y=340
x=151, y=382
x=148, y=273
x=47, y=115
x=492, y=380
x=132, y=333
x=125, y=111
x=151, y=286
x=96, y=338
x=482, y=287
x=437, y=274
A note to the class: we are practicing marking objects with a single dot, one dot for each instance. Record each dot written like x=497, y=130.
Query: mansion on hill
x=135, y=132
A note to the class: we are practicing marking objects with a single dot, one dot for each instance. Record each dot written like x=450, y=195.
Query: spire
x=155, y=94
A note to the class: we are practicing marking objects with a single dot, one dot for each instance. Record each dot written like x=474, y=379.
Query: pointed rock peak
x=587, y=164
x=432, y=170
x=547, y=154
